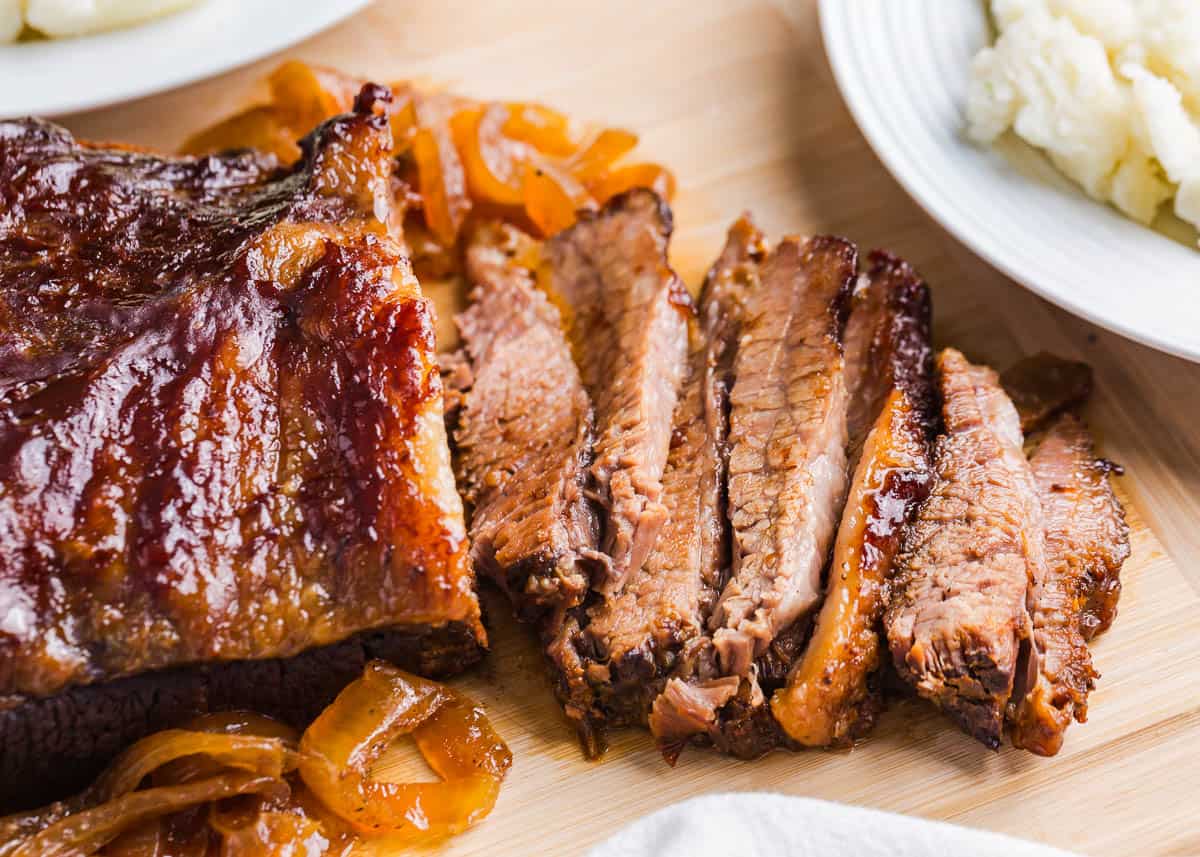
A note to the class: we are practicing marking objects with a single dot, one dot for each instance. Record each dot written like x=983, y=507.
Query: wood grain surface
x=738, y=98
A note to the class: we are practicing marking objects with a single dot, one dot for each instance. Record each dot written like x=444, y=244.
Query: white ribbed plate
x=46, y=78
x=902, y=66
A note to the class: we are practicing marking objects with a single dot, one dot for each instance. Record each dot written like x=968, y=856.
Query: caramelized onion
x=592, y=162
x=306, y=96
x=493, y=161
x=546, y=130
x=256, y=128
x=523, y=162
x=337, y=751
x=84, y=833
x=553, y=197
x=658, y=179
x=230, y=782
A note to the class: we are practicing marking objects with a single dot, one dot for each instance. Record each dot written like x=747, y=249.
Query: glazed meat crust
x=221, y=425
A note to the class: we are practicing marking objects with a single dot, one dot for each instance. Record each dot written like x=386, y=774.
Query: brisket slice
x=1043, y=385
x=787, y=437
x=56, y=746
x=958, y=623
x=627, y=314
x=689, y=701
x=831, y=697
x=632, y=638
x=632, y=641
x=523, y=436
x=1087, y=541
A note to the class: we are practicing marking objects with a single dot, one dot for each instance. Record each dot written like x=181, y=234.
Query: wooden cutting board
x=738, y=98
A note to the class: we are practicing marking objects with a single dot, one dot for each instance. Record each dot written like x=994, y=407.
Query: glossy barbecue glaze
x=220, y=415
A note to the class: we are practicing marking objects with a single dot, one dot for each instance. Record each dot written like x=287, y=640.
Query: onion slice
x=337, y=751
x=84, y=833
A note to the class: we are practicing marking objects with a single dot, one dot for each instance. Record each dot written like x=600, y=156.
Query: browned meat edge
x=1087, y=541
x=523, y=435
x=627, y=315
x=52, y=747
x=787, y=436
x=958, y=624
x=832, y=697
x=1042, y=386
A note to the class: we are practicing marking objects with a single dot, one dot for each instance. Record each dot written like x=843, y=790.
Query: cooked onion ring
x=338, y=749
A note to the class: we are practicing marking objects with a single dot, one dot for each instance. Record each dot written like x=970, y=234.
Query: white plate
x=902, y=66
x=47, y=78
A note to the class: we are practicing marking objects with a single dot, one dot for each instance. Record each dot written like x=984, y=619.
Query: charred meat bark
x=627, y=314
x=958, y=624
x=1043, y=385
x=221, y=429
x=831, y=697
x=787, y=437
x=523, y=436
x=1087, y=541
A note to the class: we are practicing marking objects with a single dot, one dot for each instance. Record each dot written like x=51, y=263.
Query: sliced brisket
x=627, y=315
x=958, y=623
x=831, y=697
x=523, y=436
x=688, y=704
x=787, y=464
x=634, y=639
x=1087, y=541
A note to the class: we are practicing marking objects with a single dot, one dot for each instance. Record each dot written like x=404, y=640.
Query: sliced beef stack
x=712, y=511
x=1013, y=563
x=959, y=623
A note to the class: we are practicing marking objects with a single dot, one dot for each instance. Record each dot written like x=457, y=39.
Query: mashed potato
x=60, y=18
x=1109, y=89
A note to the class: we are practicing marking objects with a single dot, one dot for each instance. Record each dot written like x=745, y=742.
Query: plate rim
x=320, y=16
x=891, y=157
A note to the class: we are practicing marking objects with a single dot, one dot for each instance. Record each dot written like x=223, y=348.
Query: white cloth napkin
x=771, y=825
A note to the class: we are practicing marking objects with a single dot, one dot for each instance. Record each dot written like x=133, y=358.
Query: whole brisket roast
x=221, y=441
